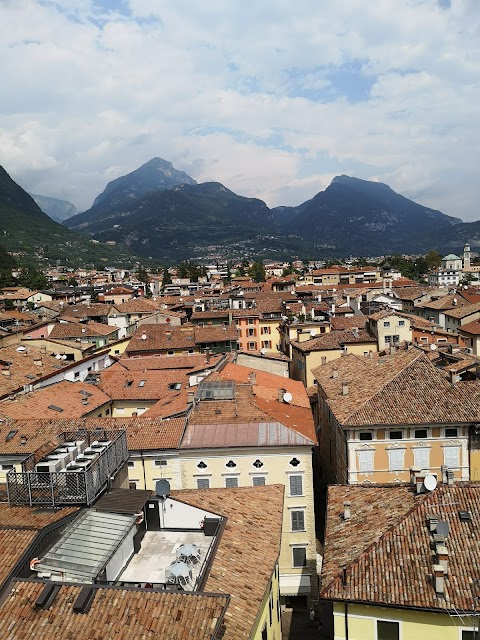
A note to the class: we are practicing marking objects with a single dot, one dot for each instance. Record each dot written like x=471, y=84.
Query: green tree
x=72, y=282
x=93, y=295
x=32, y=278
x=144, y=277
x=166, y=277
x=257, y=272
x=433, y=259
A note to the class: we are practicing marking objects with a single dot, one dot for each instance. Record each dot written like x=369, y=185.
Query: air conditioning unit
x=470, y=350
x=48, y=466
x=62, y=454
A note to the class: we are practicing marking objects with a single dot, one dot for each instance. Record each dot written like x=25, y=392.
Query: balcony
x=81, y=480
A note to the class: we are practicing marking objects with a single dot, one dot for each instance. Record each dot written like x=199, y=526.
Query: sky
x=272, y=98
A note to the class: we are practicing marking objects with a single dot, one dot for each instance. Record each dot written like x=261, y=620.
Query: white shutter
x=365, y=461
x=396, y=459
x=452, y=457
x=421, y=458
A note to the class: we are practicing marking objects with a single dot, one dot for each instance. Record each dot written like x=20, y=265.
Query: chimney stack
x=335, y=372
x=442, y=556
x=344, y=388
x=38, y=362
x=6, y=371
x=347, y=513
x=190, y=397
x=419, y=479
x=432, y=522
x=252, y=377
x=281, y=393
x=450, y=477
x=439, y=580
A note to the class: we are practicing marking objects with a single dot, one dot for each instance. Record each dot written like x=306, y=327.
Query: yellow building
x=383, y=417
x=390, y=329
x=405, y=578
x=310, y=351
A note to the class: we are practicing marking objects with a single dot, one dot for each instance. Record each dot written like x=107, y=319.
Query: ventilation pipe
x=347, y=512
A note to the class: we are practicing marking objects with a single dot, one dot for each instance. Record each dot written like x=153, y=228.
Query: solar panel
x=442, y=528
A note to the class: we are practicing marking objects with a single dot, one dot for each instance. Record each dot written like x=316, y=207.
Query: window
x=202, y=465
x=141, y=383
x=129, y=383
x=6, y=467
x=258, y=464
x=401, y=323
x=298, y=520
x=365, y=461
x=299, y=556
x=266, y=330
x=366, y=435
x=296, y=485
x=421, y=458
x=396, y=459
x=203, y=483
x=231, y=482
x=266, y=344
x=258, y=481
x=107, y=412
x=421, y=433
x=131, y=463
x=251, y=333
x=395, y=435
x=386, y=325
x=451, y=457
x=251, y=321
x=324, y=359
x=132, y=484
x=231, y=464
x=160, y=463
x=170, y=352
x=294, y=462
x=175, y=386
x=451, y=432
x=251, y=346
x=467, y=635
x=388, y=630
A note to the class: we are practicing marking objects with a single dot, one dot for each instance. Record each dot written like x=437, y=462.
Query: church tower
x=466, y=256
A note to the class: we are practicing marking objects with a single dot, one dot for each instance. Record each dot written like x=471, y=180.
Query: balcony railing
x=70, y=487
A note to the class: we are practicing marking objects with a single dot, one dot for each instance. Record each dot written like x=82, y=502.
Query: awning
x=294, y=584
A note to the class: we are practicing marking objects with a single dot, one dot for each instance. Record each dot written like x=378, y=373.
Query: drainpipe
x=346, y=621
x=144, y=475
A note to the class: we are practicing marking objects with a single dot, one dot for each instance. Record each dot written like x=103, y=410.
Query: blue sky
x=271, y=98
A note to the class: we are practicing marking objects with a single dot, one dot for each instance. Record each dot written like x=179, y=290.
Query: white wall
x=178, y=515
x=121, y=557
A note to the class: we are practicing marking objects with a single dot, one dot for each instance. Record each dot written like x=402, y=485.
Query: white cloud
x=248, y=94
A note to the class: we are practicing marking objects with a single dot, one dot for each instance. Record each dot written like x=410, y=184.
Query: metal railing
x=70, y=487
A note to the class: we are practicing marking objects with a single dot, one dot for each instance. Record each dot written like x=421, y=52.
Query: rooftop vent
x=84, y=601
x=47, y=596
x=465, y=516
x=54, y=407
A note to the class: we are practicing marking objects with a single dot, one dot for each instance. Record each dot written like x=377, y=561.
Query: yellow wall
x=182, y=473
x=273, y=336
x=414, y=625
x=126, y=408
x=271, y=603
x=403, y=332
x=63, y=347
x=119, y=346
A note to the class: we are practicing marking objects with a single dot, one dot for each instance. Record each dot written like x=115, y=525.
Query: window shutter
x=298, y=521
x=259, y=481
x=203, y=483
x=421, y=458
x=231, y=482
x=296, y=488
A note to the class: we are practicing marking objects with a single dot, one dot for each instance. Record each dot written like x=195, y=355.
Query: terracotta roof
x=62, y=330
x=190, y=362
x=90, y=310
x=205, y=335
x=248, y=550
x=213, y=313
x=386, y=547
x=347, y=322
x=114, y=613
x=334, y=340
x=464, y=311
x=143, y=433
x=245, y=313
x=164, y=337
x=411, y=293
x=472, y=328
x=65, y=396
x=23, y=367
x=445, y=302
x=402, y=388
x=169, y=406
x=142, y=385
x=138, y=305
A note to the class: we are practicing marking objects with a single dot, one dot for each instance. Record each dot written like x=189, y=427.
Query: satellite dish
x=168, y=320
x=263, y=351
x=162, y=488
x=58, y=357
x=313, y=333
x=284, y=318
x=287, y=397
x=144, y=336
x=443, y=528
x=430, y=482
x=21, y=349
x=433, y=347
x=64, y=357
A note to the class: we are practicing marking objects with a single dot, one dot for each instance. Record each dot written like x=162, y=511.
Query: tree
x=166, y=277
x=72, y=282
x=93, y=295
x=144, y=277
x=433, y=259
x=32, y=278
x=257, y=272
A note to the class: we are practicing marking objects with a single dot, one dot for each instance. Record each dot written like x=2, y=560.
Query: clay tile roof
x=464, y=311
x=386, y=546
x=347, y=322
x=472, y=328
x=204, y=335
x=142, y=385
x=248, y=549
x=138, y=305
x=65, y=396
x=25, y=367
x=334, y=340
x=401, y=388
x=62, y=330
x=114, y=613
x=91, y=310
x=213, y=313
x=188, y=362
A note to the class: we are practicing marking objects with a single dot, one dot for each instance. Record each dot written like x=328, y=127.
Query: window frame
x=303, y=548
x=300, y=520
x=231, y=479
x=298, y=478
x=384, y=620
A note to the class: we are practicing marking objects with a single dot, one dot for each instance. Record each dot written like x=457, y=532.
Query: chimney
x=252, y=377
x=6, y=372
x=450, y=477
x=439, y=580
x=348, y=300
x=347, y=512
x=208, y=355
x=333, y=309
x=43, y=349
x=432, y=522
x=442, y=556
x=454, y=378
x=335, y=372
x=419, y=478
x=344, y=388
x=190, y=397
x=355, y=331
x=38, y=361
x=84, y=401
x=370, y=354
x=281, y=393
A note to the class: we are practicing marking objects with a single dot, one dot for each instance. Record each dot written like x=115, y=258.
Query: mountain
x=155, y=175
x=360, y=217
x=58, y=210
x=29, y=233
x=187, y=221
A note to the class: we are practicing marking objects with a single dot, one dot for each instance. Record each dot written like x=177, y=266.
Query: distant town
x=148, y=417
